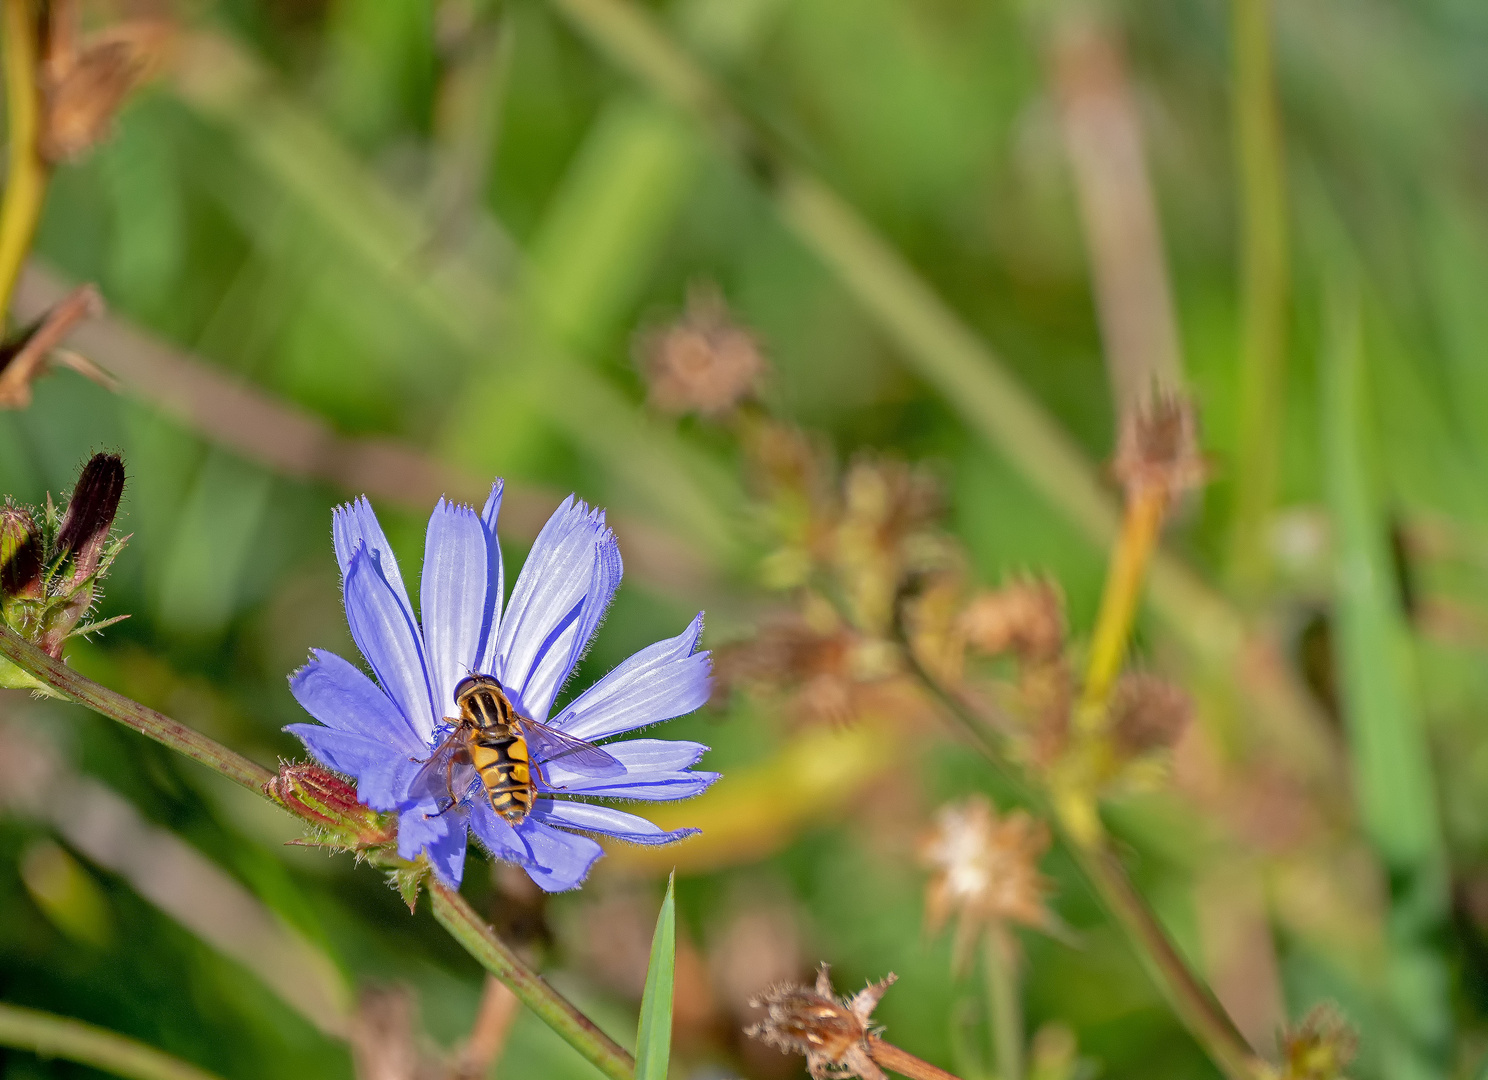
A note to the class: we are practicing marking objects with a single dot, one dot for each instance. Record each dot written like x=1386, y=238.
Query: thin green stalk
x=453, y=913
x=456, y=916
x=25, y=184
x=57, y=677
x=1264, y=287
x=50, y=1036
x=1004, y=1002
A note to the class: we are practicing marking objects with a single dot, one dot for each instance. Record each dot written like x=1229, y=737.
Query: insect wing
x=549, y=745
x=433, y=780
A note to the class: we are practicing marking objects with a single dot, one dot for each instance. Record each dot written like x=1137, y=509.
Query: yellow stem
x=1134, y=547
x=25, y=186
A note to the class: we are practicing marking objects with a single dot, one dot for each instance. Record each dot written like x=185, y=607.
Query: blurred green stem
x=25, y=184
x=453, y=913
x=1264, y=288
x=1004, y=1001
x=50, y=1036
x=576, y=1029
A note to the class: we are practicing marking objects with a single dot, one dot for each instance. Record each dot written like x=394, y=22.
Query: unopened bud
x=21, y=556
x=329, y=802
x=90, y=514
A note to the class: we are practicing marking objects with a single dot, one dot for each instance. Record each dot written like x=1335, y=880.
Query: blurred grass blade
x=50, y=1036
x=654, y=1040
x=1391, y=762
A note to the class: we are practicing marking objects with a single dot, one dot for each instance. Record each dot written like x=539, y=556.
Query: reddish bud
x=90, y=514
x=325, y=799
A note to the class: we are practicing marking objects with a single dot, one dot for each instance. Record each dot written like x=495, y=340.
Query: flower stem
x=1003, y=998
x=52, y=1036
x=453, y=913
x=58, y=678
x=889, y=1056
x=456, y=916
x=1135, y=545
x=25, y=186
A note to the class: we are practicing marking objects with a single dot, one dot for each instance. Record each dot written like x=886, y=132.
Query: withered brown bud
x=1026, y=618
x=1321, y=1047
x=21, y=555
x=1147, y=713
x=1158, y=447
x=832, y=1032
x=703, y=363
x=90, y=513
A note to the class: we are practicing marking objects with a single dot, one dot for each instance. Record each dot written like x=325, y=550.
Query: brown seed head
x=703, y=363
x=1158, y=447
x=1026, y=618
x=1147, y=714
x=984, y=868
x=831, y=1032
x=85, y=88
x=1321, y=1047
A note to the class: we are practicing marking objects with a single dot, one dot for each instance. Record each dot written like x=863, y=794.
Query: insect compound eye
x=472, y=682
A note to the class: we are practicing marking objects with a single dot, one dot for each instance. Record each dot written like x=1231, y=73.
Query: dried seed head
x=703, y=363
x=1321, y=1047
x=1147, y=714
x=984, y=869
x=84, y=89
x=1158, y=447
x=831, y=1032
x=1026, y=618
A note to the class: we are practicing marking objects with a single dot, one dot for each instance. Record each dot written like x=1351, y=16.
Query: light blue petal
x=663, y=787
x=591, y=817
x=341, y=697
x=495, y=579
x=384, y=630
x=561, y=594
x=654, y=769
x=555, y=860
x=499, y=839
x=662, y=681
x=372, y=763
x=354, y=524
x=454, y=599
x=441, y=836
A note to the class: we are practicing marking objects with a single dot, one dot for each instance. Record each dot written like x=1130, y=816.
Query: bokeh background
x=401, y=246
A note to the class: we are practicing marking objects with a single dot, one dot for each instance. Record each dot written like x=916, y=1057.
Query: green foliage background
x=295, y=230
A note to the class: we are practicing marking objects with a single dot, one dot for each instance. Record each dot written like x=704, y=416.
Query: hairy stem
x=1134, y=548
x=890, y=1057
x=453, y=913
x=52, y=1036
x=25, y=185
x=1004, y=1002
x=456, y=916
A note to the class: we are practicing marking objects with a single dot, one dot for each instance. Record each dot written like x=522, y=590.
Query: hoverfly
x=498, y=742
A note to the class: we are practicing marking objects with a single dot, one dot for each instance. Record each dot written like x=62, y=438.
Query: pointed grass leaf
x=654, y=1039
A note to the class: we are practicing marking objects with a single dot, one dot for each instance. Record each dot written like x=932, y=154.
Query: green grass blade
x=654, y=1040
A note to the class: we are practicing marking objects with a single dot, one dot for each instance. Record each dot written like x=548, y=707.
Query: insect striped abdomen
x=502, y=762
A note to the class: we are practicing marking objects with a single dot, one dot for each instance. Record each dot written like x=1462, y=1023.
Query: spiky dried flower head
x=84, y=84
x=832, y=1032
x=1321, y=1047
x=705, y=362
x=1025, y=618
x=984, y=868
x=1157, y=447
x=1146, y=714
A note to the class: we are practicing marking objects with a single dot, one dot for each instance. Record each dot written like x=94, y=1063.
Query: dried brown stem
x=22, y=369
x=903, y=1062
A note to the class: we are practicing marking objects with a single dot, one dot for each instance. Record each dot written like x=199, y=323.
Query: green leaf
x=654, y=1040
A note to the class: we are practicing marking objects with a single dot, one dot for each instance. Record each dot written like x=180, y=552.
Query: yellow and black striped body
x=495, y=745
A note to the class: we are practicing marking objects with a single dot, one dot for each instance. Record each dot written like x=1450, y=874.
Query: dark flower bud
x=21, y=556
x=90, y=514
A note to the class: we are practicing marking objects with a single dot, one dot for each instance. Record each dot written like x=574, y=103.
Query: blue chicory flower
x=379, y=732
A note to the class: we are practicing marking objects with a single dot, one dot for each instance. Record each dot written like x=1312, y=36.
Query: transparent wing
x=549, y=744
x=433, y=780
